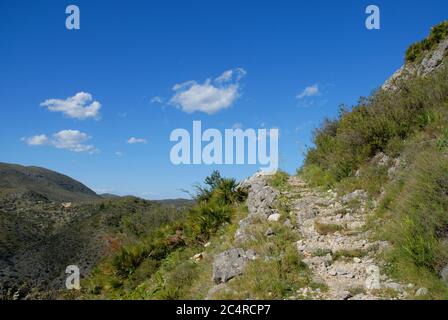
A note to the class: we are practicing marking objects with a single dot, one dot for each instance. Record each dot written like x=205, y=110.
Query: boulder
x=242, y=234
x=261, y=197
x=421, y=292
x=274, y=217
x=373, y=278
x=231, y=263
x=357, y=194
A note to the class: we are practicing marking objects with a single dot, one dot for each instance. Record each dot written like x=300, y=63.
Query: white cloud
x=80, y=106
x=134, y=140
x=225, y=77
x=38, y=140
x=157, y=99
x=119, y=154
x=72, y=140
x=310, y=91
x=210, y=96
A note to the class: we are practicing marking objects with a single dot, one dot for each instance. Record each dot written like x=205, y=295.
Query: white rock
x=373, y=278
x=274, y=217
x=421, y=292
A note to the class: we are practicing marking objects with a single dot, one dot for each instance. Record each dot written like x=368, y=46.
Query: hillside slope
x=394, y=145
x=40, y=183
x=40, y=236
x=365, y=217
x=39, y=241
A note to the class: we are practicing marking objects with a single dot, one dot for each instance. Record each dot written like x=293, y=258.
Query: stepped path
x=334, y=241
x=335, y=244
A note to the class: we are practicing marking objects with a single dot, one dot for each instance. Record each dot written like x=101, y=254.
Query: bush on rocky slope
x=393, y=144
x=379, y=123
x=415, y=212
x=158, y=264
x=40, y=240
x=416, y=51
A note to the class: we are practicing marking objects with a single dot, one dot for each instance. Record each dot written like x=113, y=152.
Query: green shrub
x=417, y=222
x=279, y=180
x=155, y=264
x=438, y=33
x=414, y=52
x=205, y=219
x=226, y=193
x=442, y=141
x=421, y=218
x=177, y=281
x=372, y=179
x=128, y=259
x=316, y=176
x=377, y=124
x=219, y=189
x=145, y=270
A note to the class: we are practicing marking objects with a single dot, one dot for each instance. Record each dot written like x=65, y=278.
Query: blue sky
x=301, y=60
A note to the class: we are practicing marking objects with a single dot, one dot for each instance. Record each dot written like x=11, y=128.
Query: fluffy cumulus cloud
x=134, y=140
x=210, y=96
x=72, y=140
x=80, y=106
x=38, y=140
x=310, y=91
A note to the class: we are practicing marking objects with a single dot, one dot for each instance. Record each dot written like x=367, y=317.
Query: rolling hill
x=40, y=235
x=35, y=182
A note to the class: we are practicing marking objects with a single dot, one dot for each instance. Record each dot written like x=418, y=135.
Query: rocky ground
x=432, y=60
x=336, y=246
x=334, y=242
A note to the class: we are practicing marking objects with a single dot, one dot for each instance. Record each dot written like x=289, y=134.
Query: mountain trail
x=336, y=246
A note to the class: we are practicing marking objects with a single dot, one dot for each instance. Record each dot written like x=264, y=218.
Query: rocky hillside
x=341, y=260
x=423, y=58
x=39, y=241
x=364, y=218
x=49, y=221
x=367, y=214
x=393, y=145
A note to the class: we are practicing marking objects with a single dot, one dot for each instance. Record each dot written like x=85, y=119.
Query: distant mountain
x=109, y=196
x=41, y=184
x=180, y=202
